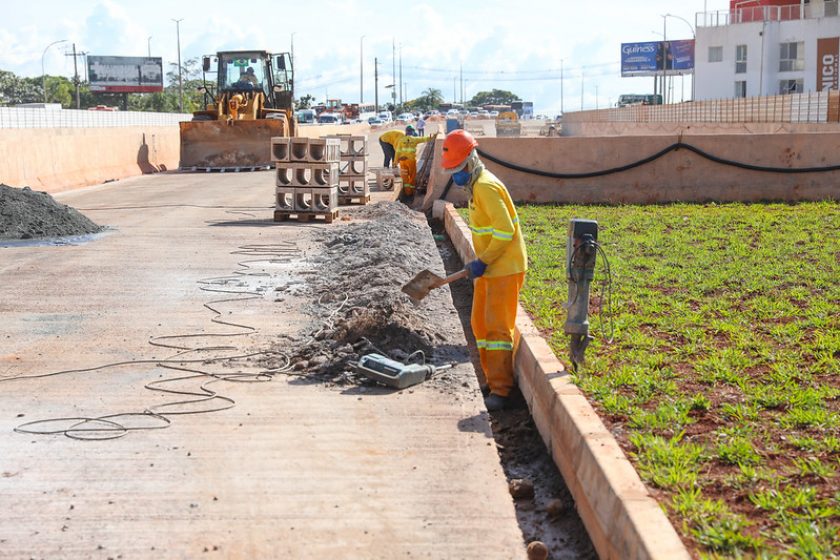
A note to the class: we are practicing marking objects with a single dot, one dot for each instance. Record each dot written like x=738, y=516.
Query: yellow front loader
x=252, y=101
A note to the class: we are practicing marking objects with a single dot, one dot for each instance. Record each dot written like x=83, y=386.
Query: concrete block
x=284, y=198
x=386, y=178
x=316, y=200
x=353, y=186
x=351, y=145
x=298, y=149
x=355, y=166
x=321, y=175
x=324, y=150
x=279, y=149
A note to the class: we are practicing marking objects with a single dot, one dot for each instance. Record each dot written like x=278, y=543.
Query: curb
x=622, y=518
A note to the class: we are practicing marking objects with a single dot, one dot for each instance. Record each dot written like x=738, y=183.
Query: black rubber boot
x=496, y=402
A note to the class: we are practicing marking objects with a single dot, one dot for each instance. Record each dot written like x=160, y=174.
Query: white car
x=405, y=117
x=453, y=113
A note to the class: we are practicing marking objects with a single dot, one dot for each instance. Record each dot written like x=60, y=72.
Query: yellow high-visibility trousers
x=493, y=321
x=408, y=172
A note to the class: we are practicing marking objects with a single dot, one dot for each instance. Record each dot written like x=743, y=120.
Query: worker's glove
x=476, y=268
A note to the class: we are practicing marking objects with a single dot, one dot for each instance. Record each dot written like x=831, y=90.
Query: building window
x=715, y=54
x=792, y=57
x=741, y=59
x=791, y=86
x=740, y=89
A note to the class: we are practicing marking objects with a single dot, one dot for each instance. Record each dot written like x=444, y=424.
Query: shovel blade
x=423, y=283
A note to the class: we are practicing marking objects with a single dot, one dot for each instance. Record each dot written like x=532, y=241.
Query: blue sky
x=518, y=46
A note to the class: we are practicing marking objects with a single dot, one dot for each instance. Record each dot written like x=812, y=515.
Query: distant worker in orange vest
x=499, y=267
x=388, y=142
x=407, y=157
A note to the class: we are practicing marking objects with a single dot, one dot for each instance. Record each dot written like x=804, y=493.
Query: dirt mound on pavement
x=26, y=214
x=360, y=307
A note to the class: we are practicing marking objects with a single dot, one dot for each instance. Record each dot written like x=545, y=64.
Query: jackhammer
x=581, y=251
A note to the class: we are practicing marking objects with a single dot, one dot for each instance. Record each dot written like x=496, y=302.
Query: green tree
x=494, y=97
x=192, y=76
x=305, y=102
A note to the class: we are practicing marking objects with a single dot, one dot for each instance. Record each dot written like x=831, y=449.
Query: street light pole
x=664, y=59
x=362, y=70
x=149, y=44
x=180, y=74
x=292, y=40
x=43, y=72
x=561, y=86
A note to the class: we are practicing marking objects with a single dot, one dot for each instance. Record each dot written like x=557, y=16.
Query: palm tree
x=430, y=98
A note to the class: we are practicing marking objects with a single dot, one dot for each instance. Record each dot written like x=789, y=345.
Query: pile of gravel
x=360, y=307
x=27, y=214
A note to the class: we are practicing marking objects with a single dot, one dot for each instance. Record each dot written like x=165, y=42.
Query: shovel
x=426, y=280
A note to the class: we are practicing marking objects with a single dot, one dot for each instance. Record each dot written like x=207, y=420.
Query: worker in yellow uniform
x=388, y=142
x=407, y=157
x=499, y=267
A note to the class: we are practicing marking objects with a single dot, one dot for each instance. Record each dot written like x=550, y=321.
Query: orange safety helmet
x=456, y=148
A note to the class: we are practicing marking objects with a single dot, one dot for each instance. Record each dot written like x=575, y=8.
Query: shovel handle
x=452, y=277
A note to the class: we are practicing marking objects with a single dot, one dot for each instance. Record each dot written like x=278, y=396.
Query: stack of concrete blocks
x=306, y=178
x=352, y=179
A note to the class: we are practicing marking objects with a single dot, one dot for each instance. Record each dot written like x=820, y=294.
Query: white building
x=767, y=49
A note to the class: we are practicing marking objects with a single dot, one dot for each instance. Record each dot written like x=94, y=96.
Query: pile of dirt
x=26, y=214
x=358, y=303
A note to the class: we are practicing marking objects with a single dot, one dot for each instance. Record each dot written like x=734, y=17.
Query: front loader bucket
x=231, y=145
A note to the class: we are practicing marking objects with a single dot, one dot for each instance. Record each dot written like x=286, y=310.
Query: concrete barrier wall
x=677, y=176
x=59, y=159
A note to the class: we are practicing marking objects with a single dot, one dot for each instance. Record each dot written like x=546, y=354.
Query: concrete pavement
x=294, y=470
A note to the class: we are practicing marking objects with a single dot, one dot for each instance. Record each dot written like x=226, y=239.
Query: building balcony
x=812, y=10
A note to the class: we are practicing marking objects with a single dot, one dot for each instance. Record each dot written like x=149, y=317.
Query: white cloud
x=495, y=38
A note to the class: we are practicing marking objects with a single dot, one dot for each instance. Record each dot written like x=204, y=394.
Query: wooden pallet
x=233, y=169
x=349, y=199
x=327, y=217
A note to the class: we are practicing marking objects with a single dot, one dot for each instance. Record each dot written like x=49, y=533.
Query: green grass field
x=723, y=379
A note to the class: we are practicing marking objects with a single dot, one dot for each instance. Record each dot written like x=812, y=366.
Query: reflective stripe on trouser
x=408, y=172
x=493, y=322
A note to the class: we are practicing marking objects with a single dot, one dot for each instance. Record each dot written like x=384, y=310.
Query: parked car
x=385, y=116
x=405, y=117
x=375, y=120
x=494, y=114
x=330, y=118
x=453, y=113
x=306, y=116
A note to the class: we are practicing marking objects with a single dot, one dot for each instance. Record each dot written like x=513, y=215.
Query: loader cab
x=244, y=72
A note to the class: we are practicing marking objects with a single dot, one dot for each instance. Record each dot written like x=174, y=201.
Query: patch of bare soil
x=28, y=214
x=358, y=307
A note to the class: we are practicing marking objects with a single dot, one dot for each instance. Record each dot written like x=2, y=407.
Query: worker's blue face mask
x=461, y=178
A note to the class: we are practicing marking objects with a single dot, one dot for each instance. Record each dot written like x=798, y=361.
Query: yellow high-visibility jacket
x=407, y=146
x=392, y=137
x=497, y=237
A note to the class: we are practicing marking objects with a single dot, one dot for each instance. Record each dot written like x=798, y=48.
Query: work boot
x=496, y=402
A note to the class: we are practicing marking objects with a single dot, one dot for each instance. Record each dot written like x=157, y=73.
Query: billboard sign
x=652, y=58
x=828, y=64
x=125, y=74
x=639, y=59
